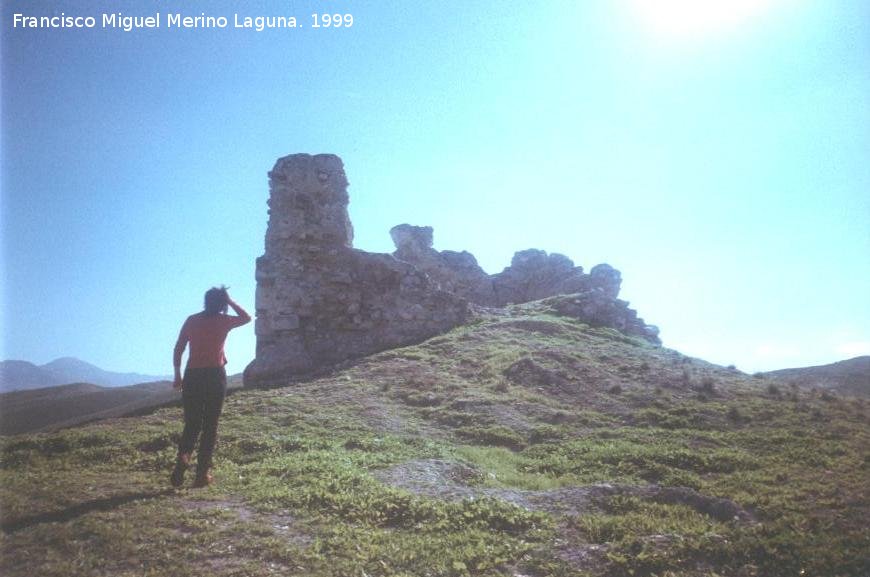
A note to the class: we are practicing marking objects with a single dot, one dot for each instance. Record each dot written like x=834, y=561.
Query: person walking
x=204, y=385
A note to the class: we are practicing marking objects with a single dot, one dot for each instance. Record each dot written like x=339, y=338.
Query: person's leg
x=193, y=398
x=215, y=392
x=182, y=462
x=194, y=405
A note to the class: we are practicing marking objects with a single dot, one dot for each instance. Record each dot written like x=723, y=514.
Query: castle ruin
x=319, y=301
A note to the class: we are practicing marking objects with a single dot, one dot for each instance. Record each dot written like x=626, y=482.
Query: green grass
x=298, y=469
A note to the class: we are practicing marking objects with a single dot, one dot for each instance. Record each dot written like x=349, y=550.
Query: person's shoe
x=181, y=465
x=203, y=479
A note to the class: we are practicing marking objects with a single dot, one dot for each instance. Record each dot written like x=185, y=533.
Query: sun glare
x=692, y=20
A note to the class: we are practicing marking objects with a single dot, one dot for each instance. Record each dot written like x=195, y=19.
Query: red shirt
x=206, y=335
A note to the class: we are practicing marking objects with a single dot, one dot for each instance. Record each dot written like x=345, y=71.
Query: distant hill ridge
x=69, y=405
x=18, y=375
x=63, y=406
x=850, y=377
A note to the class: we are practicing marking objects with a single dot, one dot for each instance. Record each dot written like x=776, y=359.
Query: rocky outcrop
x=319, y=301
x=534, y=274
x=595, y=308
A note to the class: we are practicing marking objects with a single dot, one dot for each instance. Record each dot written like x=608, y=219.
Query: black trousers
x=203, y=393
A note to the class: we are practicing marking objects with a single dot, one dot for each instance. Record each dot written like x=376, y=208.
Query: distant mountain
x=72, y=370
x=851, y=377
x=16, y=375
x=22, y=375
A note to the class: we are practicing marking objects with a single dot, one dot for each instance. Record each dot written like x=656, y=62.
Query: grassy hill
x=851, y=377
x=524, y=444
x=53, y=408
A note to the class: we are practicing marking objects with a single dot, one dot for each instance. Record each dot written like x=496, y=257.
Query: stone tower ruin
x=319, y=301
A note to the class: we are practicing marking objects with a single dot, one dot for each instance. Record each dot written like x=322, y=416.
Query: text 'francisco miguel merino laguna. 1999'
x=121, y=21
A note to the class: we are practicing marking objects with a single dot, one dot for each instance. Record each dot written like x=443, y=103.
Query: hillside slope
x=851, y=377
x=52, y=408
x=525, y=444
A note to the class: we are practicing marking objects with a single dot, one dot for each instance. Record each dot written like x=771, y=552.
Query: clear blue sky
x=717, y=157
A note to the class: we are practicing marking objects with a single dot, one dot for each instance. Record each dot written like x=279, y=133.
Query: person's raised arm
x=180, y=345
x=241, y=314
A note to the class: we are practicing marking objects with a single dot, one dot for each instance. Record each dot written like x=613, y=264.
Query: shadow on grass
x=106, y=504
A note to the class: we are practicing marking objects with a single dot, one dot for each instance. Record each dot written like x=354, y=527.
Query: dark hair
x=216, y=301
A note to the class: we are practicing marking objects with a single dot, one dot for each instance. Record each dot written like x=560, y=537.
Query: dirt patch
x=455, y=481
x=434, y=478
x=589, y=555
x=378, y=413
x=549, y=328
x=382, y=418
x=443, y=479
x=282, y=523
x=527, y=372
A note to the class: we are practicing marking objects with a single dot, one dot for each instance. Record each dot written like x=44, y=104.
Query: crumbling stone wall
x=455, y=272
x=319, y=301
x=532, y=275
